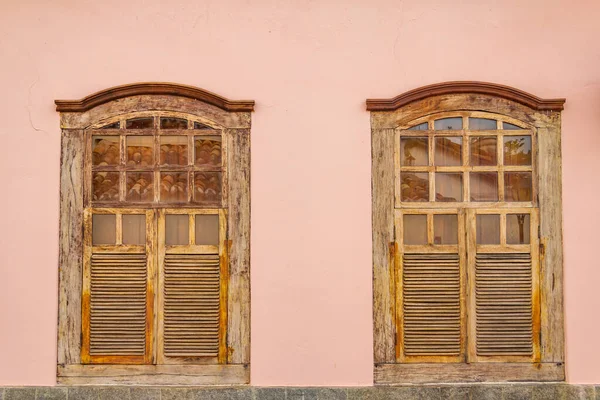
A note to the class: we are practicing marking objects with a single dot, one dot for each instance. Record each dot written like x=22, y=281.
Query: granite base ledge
x=526, y=391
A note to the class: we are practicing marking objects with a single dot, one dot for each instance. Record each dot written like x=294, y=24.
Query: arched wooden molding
x=457, y=87
x=153, y=88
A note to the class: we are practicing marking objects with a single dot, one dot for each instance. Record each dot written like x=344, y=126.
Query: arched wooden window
x=467, y=244
x=158, y=177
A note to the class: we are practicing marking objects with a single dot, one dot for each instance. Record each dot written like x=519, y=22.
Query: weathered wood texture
x=142, y=103
x=382, y=173
x=153, y=375
x=238, y=142
x=153, y=88
x=389, y=374
x=551, y=260
x=486, y=88
x=70, y=246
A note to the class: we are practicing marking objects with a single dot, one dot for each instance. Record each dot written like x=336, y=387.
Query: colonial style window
x=154, y=237
x=467, y=243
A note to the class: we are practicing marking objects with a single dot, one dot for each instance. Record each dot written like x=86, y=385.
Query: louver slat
x=118, y=304
x=503, y=304
x=431, y=304
x=191, y=305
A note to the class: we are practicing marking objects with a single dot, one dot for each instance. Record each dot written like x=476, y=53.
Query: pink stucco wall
x=309, y=65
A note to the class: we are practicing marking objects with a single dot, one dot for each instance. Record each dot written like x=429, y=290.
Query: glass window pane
x=517, y=186
x=140, y=123
x=454, y=123
x=105, y=150
x=517, y=229
x=173, y=150
x=414, y=151
x=517, y=150
x=104, y=229
x=139, y=187
x=198, y=125
x=105, y=186
x=207, y=150
x=448, y=151
x=488, y=229
x=445, y=229
x=207, y=229
x=114, y=125
x=510, y=127
x=173, y=186
x=483, y=150
x=177, y=231
x=207, y=187
x=482, y=124
x=139, y=151
x=173, y=123
x=448, y=186
x=484, y=186
x=421, y=127
x=415, y=229
x=414, y=186
x=134, y=229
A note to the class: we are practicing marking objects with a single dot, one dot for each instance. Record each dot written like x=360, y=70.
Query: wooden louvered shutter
x=192, y=299
x=118, y=296
x=504, y=293
x=430, y=290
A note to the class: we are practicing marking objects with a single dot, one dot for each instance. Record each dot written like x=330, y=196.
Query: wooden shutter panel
x=191, y=305
x=431, y=304
x=118, y=304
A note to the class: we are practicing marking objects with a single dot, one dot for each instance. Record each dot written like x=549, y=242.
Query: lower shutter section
x=118, y=304
x=191, y=305
x=504, y=304
x=431, y=304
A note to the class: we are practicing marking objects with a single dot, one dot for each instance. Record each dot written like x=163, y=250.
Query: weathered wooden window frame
x=233, y=118
x=390, y=115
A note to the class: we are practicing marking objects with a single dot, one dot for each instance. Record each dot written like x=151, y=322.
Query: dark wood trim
x=444, y=88
x=152, y=88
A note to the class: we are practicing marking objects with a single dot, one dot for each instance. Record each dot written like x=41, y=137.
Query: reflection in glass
x=448, y=151
x=105, y=150
x=483, y=150
x=207, y=229
x=414, y=151
x=484, y=186
x=173, y=123
x=517, y=228
x=488, y=229
x=104, y=229
x=114, y=125
x=207, y=187
x=517, y=186
x=510, y=127
x=139, y=151
x=177, y=230
x=414, y=186
x=134, y=229
x=173, y=150
x=105, y=186
x=207, y=150
x=173, y=186
x=140, y=123
x=482, y=124
x=198, y=125
x=517, y=150
x=454, y=123
x=139, y=187
x=448, y=186
x=445, y=229
x=421, y=127
x=415, y=229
